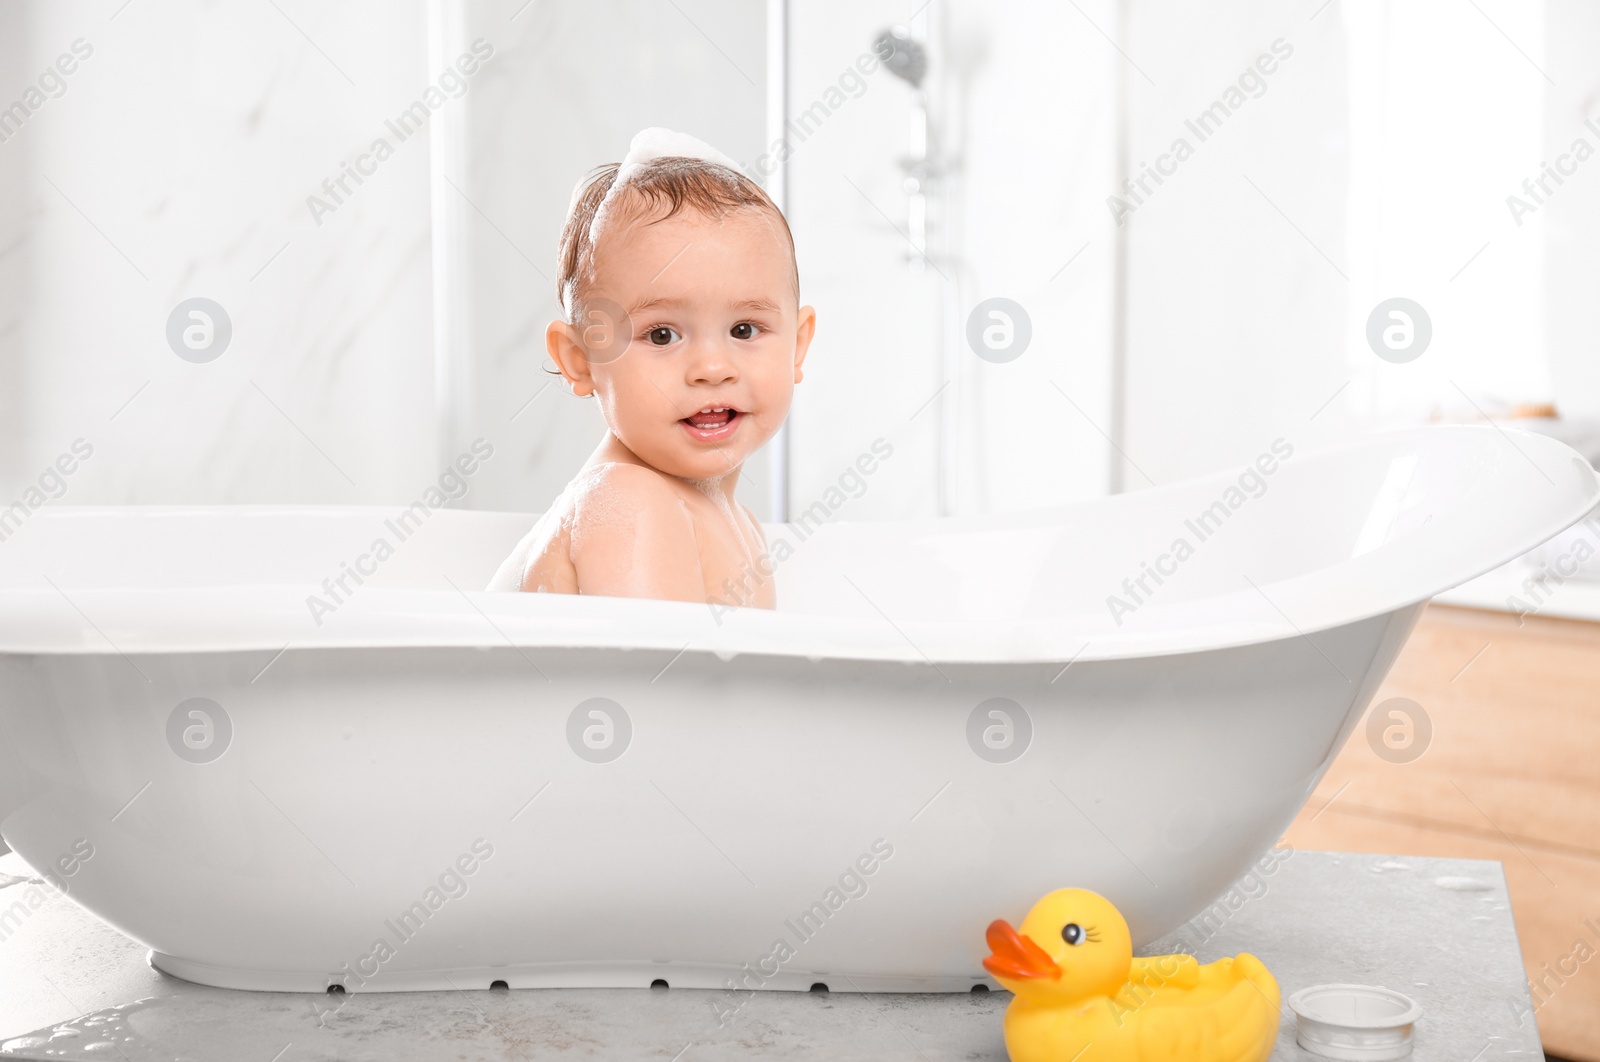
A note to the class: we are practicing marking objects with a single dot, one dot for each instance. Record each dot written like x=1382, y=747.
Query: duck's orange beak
x=1015, y=956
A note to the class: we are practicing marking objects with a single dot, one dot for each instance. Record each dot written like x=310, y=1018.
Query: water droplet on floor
x=104, y=1029
x=21, y=1044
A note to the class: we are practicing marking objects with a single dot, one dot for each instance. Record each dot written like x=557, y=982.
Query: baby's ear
x=561, y=342
x=802, y=338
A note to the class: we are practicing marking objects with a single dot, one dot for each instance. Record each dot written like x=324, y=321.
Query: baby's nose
x=711, y=363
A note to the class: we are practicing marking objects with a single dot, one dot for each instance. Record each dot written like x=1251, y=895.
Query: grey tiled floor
x=1439, y=930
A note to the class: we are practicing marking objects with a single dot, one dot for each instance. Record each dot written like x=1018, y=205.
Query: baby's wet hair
x=672, y=181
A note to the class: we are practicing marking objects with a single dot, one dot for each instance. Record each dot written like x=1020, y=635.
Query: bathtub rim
x=46, y=621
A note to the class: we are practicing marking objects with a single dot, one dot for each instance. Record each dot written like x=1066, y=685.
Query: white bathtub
x=823, y=758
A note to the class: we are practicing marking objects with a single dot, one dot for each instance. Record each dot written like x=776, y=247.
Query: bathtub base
x=556, y=975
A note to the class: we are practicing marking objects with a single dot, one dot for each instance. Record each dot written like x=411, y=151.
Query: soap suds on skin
x=712, y=488
x=556, y=522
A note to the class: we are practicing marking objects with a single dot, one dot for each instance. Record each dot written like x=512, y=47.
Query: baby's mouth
x=712, y=423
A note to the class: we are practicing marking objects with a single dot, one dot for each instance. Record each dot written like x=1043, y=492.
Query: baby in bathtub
x=683, y=321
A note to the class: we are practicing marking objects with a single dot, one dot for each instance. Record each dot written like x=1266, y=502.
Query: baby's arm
x=634, y=537
x=511, y=572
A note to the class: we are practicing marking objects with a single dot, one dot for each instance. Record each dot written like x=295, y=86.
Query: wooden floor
x=1510, y=772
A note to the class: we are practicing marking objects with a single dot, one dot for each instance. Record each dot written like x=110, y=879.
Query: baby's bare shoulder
x=605, y=486
x=633, y=536
x=629, y=499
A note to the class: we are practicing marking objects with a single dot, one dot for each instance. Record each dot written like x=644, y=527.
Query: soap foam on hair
x=647, y=145
x=656, y=143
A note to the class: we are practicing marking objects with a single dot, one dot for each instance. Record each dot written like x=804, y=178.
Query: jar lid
x=1354, y=1023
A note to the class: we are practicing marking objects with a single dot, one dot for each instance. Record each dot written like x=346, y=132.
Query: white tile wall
x=1023, y=99
x=178, y=160
x=1572, y=220
x=177, y=164
x=1237, y=305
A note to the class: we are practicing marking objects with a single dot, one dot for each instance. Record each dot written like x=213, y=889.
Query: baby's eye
x=661, y=335
x=745, y=330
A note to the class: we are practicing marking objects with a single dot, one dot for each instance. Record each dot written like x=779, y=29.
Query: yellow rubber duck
x=1081, y=996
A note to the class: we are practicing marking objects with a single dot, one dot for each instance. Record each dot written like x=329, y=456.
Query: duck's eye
x=1073, y=933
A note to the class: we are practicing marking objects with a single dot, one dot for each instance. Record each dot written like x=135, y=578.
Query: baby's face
x=702, y=369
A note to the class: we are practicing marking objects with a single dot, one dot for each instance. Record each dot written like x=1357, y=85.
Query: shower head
x=905, y=58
